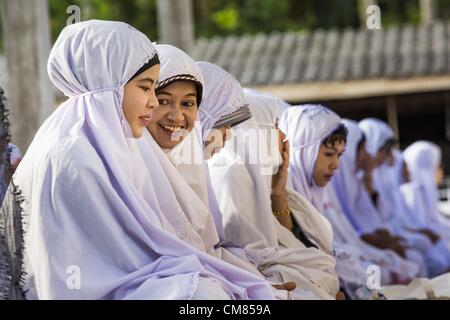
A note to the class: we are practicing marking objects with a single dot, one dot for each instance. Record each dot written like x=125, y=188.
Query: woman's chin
x=137, y=133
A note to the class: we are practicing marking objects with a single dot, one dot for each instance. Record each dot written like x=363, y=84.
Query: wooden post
x=392, y=115
x=27, y=46
x=175, y=23
x=427, y=11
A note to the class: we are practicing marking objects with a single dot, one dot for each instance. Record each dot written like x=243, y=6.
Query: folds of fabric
x=98, y=227
x=247, y=214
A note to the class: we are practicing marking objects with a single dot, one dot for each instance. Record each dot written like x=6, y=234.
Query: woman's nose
x=335, y=164
x=152, y=102
x=176, y=114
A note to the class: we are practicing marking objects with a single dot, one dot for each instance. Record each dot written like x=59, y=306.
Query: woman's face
x=327, y=162
x=383, y=155
x=139, y=99
x=363, y=159
x=216, y=140
x=175, y=116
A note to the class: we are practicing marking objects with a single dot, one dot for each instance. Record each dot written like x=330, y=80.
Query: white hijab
x=305, y=127
x=387, y=183
x=241, y=175
x=377, y=133
x=423, y=158
x=223, y=96
x=187, y=173
x=188, y=156
x=116, y=230
x=351, y=193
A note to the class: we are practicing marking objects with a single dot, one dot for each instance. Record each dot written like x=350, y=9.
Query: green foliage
x=225, y=17
x=139, y=13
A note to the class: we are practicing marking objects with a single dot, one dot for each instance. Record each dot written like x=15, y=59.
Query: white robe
x=243, y=192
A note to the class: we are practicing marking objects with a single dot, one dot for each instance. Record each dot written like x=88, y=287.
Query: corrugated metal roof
x=324, y=56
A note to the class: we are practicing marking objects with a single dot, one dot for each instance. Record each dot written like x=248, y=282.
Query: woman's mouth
x=169, y=129
x=328, y=176
x=145, y=120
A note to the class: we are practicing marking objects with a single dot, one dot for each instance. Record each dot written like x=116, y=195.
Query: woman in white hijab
x=225, y=104
x=380, y=139
x=361, y=211
x=115, y=237
x=318, y=137
x=423, y=159
x=379, y=142
x=242, y=181
x=354, y=202
x=180, y=90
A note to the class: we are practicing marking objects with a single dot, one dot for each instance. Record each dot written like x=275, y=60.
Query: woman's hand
x=433, y=237
x=279, y=179
x=288, y=286
x=278, y=196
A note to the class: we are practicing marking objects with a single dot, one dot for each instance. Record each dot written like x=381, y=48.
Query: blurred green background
x=225, y=17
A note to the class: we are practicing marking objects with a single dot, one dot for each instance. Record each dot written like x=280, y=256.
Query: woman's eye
x=188, y=104
x=146, y=89
x=163, y=102
x=329, y=154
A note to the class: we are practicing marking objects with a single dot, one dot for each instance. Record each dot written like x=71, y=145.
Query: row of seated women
x=162, y=178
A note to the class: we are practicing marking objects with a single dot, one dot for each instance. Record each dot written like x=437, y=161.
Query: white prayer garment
x=224, y=103
x=186, y=172
x=354, y=201
x=100, y=225
x=347, y=240
x=421, y=289
x=306, y=127
x=386, y=181
x=421, y=193
x=436, y=258
x=241, y=174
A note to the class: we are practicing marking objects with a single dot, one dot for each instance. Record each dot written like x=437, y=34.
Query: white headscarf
x=241, y=174
x=305, y=127
x=188, y=156
x=223, y=97
x=171, y=69
x=423, y=159
x=387, y=181
x=186, y=171
x=94, y=211
x=351, y=193
x=377, y=133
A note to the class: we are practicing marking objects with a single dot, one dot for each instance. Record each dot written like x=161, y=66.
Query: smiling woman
x=179, y=91
x=114, y=238
x=177, y=110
